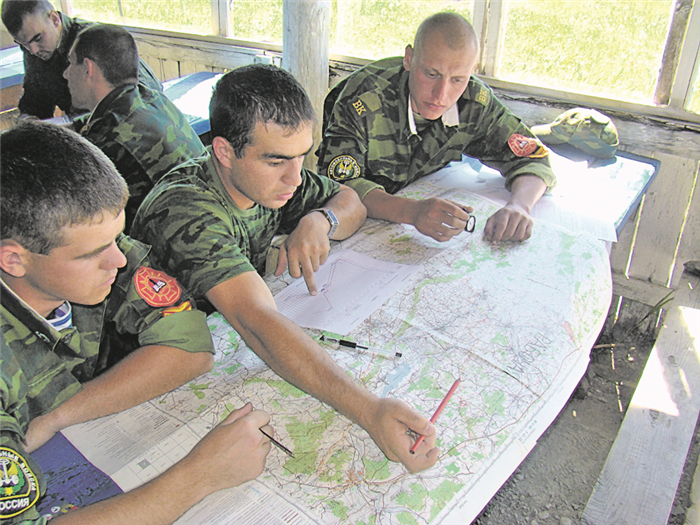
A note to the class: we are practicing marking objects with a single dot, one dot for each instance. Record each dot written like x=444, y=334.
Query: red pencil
x=436, y=414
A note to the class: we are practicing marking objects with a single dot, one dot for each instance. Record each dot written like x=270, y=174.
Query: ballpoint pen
x=371, y=350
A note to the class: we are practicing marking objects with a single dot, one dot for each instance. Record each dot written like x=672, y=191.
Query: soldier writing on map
x=211, y=221
x=400, y=119
x=78, y=295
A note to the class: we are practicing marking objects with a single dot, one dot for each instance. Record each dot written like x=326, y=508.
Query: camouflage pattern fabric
x=586, y=129
x=144, y=134
x=201, y=237
x=42, y=369
x=367, y=141
x=44, y=87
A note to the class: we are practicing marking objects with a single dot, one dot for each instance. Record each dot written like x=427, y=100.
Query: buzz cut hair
x=14, y=11
x=455, y=30
x=114, y=51
x=53, y=178
x=257, y=93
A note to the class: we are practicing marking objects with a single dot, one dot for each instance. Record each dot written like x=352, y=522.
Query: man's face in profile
x=40, y=34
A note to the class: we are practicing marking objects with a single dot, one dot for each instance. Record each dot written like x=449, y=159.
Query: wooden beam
x=689, y=63
x=306, y=39
x=672, y=51
x=640, y=477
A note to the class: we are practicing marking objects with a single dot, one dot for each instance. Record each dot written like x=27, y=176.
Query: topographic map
x=514, y=322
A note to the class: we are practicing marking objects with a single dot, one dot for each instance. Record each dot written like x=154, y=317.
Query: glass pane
x=606, y=48
x=694, y=99
x=258, y=20
x=377, y=29
x=185, y=16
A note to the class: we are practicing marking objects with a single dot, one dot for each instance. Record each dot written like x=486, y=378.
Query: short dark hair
x=51, y=178
x=113, y=49
x=257, y=93
x=14, y=11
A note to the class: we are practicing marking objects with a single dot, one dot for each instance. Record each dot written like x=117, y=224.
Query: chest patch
x=343, y=167
x=156, y=288
x=19, y=487
x=521, y=146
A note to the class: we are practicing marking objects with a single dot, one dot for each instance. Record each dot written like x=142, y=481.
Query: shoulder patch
x=342, y=168
x=482, y=97
x=522, y=146
x=19, y=487
x=156, y=288
x=365, y=103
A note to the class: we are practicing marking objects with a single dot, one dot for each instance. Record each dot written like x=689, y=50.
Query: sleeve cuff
x=187, y=331
x=362, y=186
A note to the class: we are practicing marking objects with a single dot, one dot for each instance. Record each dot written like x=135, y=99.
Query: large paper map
x=515, y=322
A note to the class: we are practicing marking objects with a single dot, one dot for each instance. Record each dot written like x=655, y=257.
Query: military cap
x=585, y=129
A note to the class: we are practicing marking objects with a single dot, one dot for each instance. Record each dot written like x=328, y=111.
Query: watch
x=331, y=218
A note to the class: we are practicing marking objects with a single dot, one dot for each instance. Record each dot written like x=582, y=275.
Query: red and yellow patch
x=184, y=307
x=156, y=288
x=522, y=146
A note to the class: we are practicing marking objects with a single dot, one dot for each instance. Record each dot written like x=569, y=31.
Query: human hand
x=306, y=249
x=232, y=453
x=389, y=428
x=510, y=223
x=440, y=219
x=41, y=429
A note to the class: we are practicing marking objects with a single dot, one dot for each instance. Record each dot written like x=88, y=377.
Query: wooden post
x=220, y=18
x=305, y=42
x=672, y=51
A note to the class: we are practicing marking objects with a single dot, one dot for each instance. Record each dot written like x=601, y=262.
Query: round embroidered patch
x=19, y=487
x=156, y=288
x=522, y=146
x=343, y=167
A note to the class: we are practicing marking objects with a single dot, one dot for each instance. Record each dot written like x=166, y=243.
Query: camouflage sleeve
x=342, y=155
x=314, y=192
x=21, y=477
x=36, y=100
x=192, y=236
x=503, y=142
x=151, y=304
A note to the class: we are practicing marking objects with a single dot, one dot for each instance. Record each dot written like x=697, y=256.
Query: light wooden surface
x=639, y=480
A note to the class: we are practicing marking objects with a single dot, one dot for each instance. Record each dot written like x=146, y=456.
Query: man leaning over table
x=90, y=328
x=46, y=36
x=142, y=132
x=399, y=119
x=211, y=221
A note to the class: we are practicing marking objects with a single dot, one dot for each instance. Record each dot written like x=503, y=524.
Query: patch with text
x=343, y=168
x=19, y=487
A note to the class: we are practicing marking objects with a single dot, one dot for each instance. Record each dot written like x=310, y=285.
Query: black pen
x=278, y=444
x=364, y=349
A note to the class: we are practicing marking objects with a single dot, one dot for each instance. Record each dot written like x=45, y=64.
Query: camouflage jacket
x=44, y=87
x=200, y=235
x=42, y=368
x=144, y=134
x=368, y=142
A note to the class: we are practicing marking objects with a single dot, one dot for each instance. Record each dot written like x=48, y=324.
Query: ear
x=408, y=55
x=13, y=258
x=91, y=68
x=55, y=19
x=223, y=151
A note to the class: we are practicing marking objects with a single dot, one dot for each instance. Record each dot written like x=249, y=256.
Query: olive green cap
x=585, y=129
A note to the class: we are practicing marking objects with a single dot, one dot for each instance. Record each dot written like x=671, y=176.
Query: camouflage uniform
x=44, y=87
x=42, y=368
x=200, y=235
x=368, y=143
x=144, y=134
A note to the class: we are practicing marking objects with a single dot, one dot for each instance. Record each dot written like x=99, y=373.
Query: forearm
x=143, y=375
x=526, y=191
x=349, y=210
x=384, y=206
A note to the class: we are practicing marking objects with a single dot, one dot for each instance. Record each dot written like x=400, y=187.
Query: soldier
x=211, y=221
x=400, y=119
x=139, y=129
x=46, y=37
x=71, y=285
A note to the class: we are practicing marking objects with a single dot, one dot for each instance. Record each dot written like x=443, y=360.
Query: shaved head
x=456, y=33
